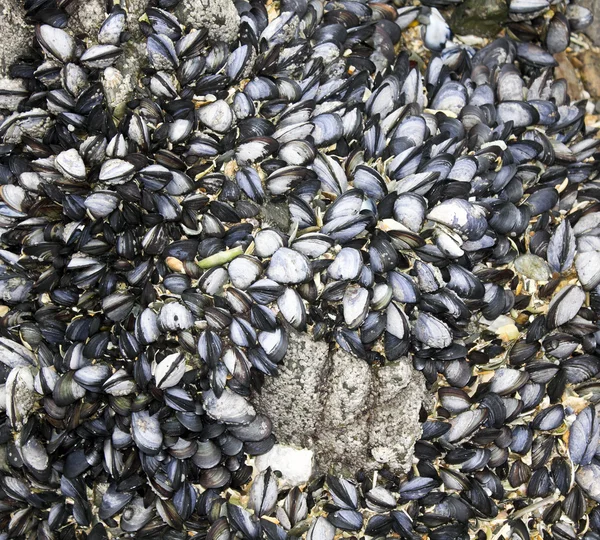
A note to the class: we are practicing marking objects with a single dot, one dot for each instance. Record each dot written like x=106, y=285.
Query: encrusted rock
x=219, y=17
x=482, y=18
x=16, y=34
x=293, y=408
x=133, y=59
x=341, y=432
x=393, y=424
x=12, y=92
x=87, y=17
x=352, y=415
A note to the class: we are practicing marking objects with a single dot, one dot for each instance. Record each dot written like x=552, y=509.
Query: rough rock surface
x=351, y=415
x=591, y=72
x=15, y=90
x=482, y=18
x=219, y=17
x=593, y=31
x=16, y=34
x=566, y=70
x=120, y=81
x=86, y=17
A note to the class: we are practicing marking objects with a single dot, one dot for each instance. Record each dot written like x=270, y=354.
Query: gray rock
x=482, y=18
x=124, y=78
x=87, y=17
x=341, y=432
x=394, y=421
x=84, y=18
x=16, y=34
x=288, y=400
x=121, y=81
x=351, y=415
x=12, y=92
x=593, y=30
x=219, y=17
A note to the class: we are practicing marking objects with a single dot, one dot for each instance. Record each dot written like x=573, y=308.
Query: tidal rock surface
x=351, y=415
x=593, y=31
x=219, y=17
x=482, y=18
x=16, y=34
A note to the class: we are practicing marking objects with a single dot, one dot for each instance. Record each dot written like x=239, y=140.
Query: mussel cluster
x=313, y=175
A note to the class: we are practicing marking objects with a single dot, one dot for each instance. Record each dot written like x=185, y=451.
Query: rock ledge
x=351, y=415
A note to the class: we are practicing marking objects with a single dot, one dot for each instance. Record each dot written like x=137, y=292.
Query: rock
x=394, y=421
x=301, y=377
x=17, y=35
x=593, y=30
x=276, y=215
x=219, y=17
x=135, y=9
x=84, y=18
x=566, y=70
x=295, y=465
x=342, y=437
x=129, y=65
x=591, y=72
x=353, y=416
x=12, y=92
x=125, y=77
x=87, y=17
x=482, y=18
